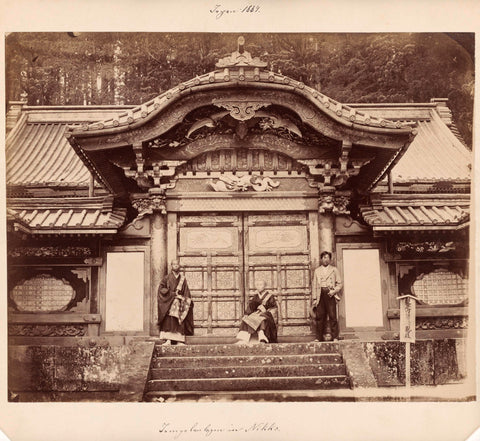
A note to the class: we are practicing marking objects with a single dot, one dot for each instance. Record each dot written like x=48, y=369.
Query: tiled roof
x=418, y=215
x=231, y=78
x=65, y=216
x=435, y=154
x=39, y=153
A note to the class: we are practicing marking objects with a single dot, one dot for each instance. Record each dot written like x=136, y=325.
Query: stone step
x=338, y=395
x=249, y=371
x=245, y=360
x=255, y=383
x=231, y=339
x=262, y=349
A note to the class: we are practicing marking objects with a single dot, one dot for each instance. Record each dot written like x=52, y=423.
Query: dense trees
x=130, y=68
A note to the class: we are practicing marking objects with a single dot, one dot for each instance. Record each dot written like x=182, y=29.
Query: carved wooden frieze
x=436, y=246
x=230, y=182
x=248, y=160
x=51, y=251
x=431, y=323
x=47, y=330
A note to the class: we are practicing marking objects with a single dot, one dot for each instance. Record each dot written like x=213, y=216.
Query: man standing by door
x=175, y=307
x=326, y=288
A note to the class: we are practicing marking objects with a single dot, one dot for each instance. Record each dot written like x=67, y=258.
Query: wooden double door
x=223, y=255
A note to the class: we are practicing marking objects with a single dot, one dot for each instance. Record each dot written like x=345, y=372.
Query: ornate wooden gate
x=223, y=255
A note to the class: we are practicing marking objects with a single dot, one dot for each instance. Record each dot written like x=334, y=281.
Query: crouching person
x=260, y=317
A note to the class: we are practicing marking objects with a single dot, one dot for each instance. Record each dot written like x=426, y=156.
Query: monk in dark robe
x=260, y=317
x=175, y=307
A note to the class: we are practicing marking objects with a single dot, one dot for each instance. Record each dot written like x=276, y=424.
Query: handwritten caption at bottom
x=209, y=430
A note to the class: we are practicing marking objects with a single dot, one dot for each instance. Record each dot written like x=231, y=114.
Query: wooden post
x=279, y=292
x=91, y=186
x=326, y=231
x=158, y=253
x=158, y=250
x=209, y=294
x=407, y=365
x=407, y=331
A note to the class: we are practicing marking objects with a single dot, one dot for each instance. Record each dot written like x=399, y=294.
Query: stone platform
x=138, y=368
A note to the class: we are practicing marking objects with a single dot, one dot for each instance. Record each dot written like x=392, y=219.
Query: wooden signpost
x=407, y=329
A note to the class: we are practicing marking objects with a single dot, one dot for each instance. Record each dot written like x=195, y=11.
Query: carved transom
x=235, y=160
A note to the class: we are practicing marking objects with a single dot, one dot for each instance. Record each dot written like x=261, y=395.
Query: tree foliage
x=131, y=68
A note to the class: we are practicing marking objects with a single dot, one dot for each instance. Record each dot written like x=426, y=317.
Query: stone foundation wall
x=382, y=363
x=79, y=373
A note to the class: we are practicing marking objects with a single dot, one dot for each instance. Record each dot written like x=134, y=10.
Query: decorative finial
x=241, y=44
x=240, y=58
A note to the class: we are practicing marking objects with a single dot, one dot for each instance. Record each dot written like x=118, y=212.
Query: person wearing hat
x=326, y=288
x=175, y=307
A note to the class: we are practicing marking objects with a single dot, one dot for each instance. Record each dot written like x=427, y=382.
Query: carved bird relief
x=211, y=121
x=276, y=122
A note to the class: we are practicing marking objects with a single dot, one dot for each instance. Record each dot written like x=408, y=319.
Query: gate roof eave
x=342, y=114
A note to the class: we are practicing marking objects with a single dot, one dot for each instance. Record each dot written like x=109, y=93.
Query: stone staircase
x=212, y=372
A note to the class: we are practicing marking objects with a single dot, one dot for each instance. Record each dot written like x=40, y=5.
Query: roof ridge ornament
x=240, y=58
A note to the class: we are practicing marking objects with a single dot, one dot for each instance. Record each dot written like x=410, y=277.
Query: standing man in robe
x=326, y=288
x=175, y=307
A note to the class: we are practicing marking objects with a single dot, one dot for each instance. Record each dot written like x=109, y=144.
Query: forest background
x=130, y=68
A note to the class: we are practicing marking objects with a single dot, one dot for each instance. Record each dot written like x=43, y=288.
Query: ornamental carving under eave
x=241, y=110
x=333, y=204
x=151, y=204
x=50, y=252
x=436, y=246
x=243, y=183
x=47, y=330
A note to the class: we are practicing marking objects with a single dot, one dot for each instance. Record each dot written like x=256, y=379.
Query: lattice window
x=440, y=287
x=42, y=293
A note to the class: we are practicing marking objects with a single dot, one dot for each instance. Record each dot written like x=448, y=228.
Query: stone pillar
x=155, y=206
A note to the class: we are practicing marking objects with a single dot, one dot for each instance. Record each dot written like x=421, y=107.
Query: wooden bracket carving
x=333, y=203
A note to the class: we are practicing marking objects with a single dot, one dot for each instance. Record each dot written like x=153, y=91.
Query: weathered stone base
x=79, y=373
x=382, y=363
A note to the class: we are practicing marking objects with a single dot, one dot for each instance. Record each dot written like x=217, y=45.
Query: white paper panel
x=124, y=292
x=362, y=290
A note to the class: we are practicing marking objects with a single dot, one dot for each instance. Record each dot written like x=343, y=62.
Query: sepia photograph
x=239, y=234
x=275, y=217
